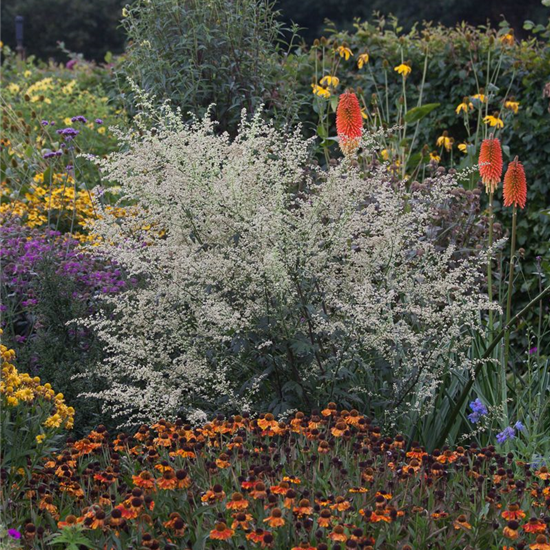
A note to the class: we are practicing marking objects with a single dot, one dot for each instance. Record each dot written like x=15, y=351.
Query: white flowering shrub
x=268, y=283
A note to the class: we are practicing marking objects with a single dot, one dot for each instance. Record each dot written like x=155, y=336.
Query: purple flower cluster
x=479, y=410
x=510, y=433
x=22, y=250
x=507, y=433
x=79, y=118
x=68, y=133
x=52, y=154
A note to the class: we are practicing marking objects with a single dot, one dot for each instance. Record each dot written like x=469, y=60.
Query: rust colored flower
x=338, y=534
x=221, y=532
x=70, y=521
x=144, y=480
x=325, y=518
x=511, y=530
x=349, y=122
x=268, y=422
x=304, y=508
x=515, y=185
x=242, y=521
x=259, y=491
x=275, y=519
x=490, y=163
x=540, y=544
x=237, y=502
x=341, y=504
x=513, y=512
x=535, y=526
x=339, y=429
x=168, y=480
x=461, y=522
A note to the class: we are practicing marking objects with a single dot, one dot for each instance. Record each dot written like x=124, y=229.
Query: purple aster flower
x=79, y=118
x=44, y=123
x=519, y=426
x=14, y=534
x=98, y=121
x=507, y=433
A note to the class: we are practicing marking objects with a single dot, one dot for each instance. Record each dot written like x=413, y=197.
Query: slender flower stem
x=490, y=262
x=510, y=289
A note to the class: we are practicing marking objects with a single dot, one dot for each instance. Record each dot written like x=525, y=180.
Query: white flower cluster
x=267, y=282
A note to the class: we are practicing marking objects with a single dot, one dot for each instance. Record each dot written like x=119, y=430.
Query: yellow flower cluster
x=19, y=388
x=60, y=199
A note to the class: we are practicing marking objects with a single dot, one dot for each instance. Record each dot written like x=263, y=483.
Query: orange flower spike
x=490, y=163
x=349, y=122
x=515, y=185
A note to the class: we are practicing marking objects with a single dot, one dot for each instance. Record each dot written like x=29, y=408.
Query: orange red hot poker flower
x=490, y=163
x=515, y=185
x=349, y=122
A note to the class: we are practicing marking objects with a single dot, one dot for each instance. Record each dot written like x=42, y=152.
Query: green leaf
x=418, y=113
x=322, y=131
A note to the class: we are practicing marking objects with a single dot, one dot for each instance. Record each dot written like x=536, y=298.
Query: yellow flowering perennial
x=329, y=80
x=61, y=198
x=512, y=106
x=320, y=91
x=493, y=120
x=362, y=60
x=403, y=69
x=20, y=388
x=344, y=52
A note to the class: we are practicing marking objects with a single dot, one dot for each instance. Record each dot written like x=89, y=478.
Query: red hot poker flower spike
x=490, y=163
x=515, y=185
x=349, y=122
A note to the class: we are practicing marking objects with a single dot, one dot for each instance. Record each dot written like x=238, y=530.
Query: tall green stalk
x=490, y=261
x=510, y=288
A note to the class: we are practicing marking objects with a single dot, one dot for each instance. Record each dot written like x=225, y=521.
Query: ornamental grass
x=331, y=480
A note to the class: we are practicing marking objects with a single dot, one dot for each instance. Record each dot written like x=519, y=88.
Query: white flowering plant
x=268, y=283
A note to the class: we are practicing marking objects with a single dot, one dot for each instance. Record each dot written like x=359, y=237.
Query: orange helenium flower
x=490, y=163
x=349, y=122
x=221, y=532
x=515, y=185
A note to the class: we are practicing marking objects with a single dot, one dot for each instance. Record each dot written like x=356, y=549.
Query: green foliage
x=216, y=52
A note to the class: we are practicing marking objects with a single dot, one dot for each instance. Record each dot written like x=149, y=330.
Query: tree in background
x=311, y=14
x=88, y=27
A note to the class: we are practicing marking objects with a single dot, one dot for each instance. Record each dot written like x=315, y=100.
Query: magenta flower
x=14, y=534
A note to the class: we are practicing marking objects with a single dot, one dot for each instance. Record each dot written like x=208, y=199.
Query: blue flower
x=519, y=426
x=507, y=433
x=479, y=410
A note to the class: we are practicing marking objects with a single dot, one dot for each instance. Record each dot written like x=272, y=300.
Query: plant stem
x=510, y=289
x=490, y=262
